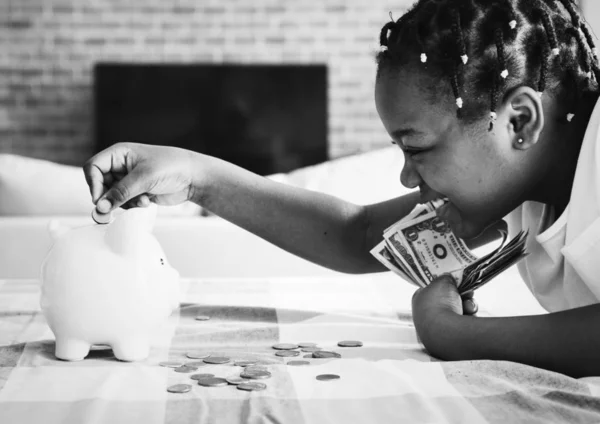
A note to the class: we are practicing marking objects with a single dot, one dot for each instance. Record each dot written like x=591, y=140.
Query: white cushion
x=362, y=178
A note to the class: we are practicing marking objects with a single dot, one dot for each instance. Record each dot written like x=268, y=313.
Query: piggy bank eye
x=162, y=262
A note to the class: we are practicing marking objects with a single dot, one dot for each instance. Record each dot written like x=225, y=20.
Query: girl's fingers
x=470, y=307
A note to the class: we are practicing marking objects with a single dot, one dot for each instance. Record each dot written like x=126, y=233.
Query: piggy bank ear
x=126, y=234
x=57, y=229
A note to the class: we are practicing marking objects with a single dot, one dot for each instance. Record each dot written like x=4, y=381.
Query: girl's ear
x=525, y=115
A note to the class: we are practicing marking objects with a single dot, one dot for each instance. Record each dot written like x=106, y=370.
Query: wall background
x=48, y=48
x=591, y=10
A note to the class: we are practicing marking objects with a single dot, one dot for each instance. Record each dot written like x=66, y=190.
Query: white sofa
x=34, y=192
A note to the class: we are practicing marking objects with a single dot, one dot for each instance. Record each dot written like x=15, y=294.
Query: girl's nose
x=409, y=177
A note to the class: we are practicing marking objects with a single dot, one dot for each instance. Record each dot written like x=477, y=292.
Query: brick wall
x=48, y=48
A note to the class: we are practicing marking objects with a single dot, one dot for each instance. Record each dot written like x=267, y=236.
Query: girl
x=494, y=105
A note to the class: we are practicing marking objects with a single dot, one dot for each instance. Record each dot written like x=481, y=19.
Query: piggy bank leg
x=132, y=349
x=71, y=349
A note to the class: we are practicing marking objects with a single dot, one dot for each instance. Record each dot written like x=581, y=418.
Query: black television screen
x=265, y=118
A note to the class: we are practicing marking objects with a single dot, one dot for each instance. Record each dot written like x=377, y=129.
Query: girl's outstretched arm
x=567, y=342
x=323, y=229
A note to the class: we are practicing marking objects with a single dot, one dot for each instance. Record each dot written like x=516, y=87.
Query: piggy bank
x=107, y=284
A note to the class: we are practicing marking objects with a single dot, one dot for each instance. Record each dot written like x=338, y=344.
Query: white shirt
x=563, y=267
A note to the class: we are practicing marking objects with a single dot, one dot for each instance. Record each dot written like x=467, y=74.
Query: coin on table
x=201, y=376
x=252, y=386
x=287, y=353
x=311, y=349
x=202, y=318
x=197, y=355
x=217, y=360
x=350, y=343
x=298, y=363
x=212, y=382
x=245, y=363
x=256, y=374
x=101, y=218
x=185, y=369
x=306, y=344
x=235, y=380
x=285, y=346
x=328, y=377
x=170, y=364
x=179, y=388
x=321, y=354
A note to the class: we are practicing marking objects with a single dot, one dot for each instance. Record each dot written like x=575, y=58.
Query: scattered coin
x=235, y=380
x=311, y=349
x=217, y=360
x=298, y=363
x=256, y=374
x=179, y=388
x=245, y=363
x=196, y=364
x=252, y=386
x=185, y=369
x=170, y=364
x=285, y=346
x=201, y=376
x=350, y=343
x=101, y=218
x=197, y=355
x=327, y=377
x=287, y=353
x=325, y=354
x=212, y=382
x=202, y=318
x=306, y=344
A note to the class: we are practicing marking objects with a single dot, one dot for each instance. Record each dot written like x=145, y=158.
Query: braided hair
x=484, y=48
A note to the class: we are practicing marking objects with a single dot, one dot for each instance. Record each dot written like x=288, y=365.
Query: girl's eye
x=411, y=152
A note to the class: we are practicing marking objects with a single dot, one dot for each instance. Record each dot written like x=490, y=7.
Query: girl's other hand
x=132, y=174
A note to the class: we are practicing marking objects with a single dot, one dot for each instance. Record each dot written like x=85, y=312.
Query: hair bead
x=456, y=89
x=457, y=31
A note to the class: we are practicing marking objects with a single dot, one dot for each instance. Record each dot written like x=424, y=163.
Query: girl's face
x=476, y=169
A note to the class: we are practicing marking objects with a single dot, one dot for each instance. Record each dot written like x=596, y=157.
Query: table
x=390, y=379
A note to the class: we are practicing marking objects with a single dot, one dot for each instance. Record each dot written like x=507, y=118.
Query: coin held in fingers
x=101, y=218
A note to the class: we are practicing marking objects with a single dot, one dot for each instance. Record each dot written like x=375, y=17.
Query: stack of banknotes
x=421, y=247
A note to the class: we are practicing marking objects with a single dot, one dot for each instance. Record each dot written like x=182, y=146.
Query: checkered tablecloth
x=390, y=379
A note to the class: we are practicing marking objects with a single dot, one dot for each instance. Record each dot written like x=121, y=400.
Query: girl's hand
x=436, y=300
x=132, y=174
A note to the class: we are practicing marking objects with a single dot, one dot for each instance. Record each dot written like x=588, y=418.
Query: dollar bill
x=429, y=247
x=421, y=247
x=387, y=257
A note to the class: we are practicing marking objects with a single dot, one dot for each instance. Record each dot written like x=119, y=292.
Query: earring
x=520, y=141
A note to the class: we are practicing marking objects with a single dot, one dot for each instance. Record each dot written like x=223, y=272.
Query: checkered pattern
x=389, y=380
